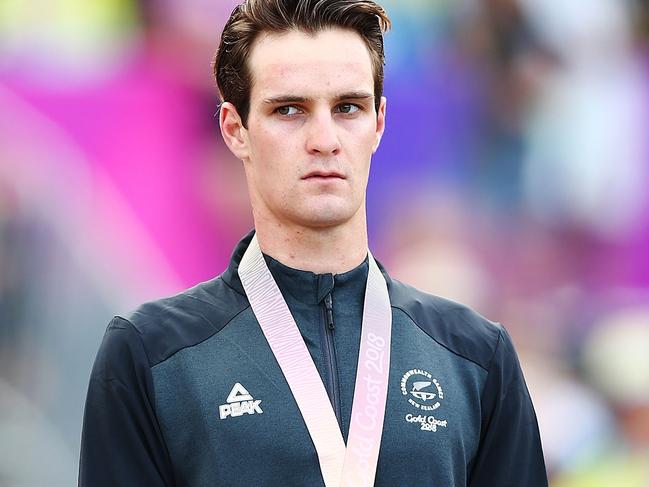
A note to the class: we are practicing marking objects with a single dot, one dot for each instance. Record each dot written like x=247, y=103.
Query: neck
x=333, y=250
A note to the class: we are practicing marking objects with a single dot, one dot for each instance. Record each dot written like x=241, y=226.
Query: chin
x=325, y=217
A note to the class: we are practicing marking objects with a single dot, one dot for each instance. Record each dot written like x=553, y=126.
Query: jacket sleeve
x=122, y=443
x=509, y=453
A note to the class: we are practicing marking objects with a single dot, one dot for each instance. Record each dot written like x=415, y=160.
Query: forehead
x=296, y=63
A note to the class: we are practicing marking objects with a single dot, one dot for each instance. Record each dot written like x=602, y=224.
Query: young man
x=304, y=363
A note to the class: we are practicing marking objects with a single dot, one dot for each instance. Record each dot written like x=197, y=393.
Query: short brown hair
x=253, y=17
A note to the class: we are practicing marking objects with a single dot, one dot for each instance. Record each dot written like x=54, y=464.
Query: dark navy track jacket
x=186, y=391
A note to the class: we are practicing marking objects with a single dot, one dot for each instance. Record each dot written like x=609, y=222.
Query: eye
x=347, y=108
x=287, y=110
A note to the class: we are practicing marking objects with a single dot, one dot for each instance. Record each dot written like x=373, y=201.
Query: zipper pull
x=330, y=311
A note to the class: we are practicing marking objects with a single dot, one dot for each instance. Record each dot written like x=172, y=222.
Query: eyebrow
x=352, y=95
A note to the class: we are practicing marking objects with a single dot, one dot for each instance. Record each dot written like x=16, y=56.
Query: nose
x=322, y=135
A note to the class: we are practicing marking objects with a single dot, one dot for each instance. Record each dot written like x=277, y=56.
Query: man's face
x=312, y=127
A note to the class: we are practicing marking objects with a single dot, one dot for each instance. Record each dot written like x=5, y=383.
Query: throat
x=321, y=253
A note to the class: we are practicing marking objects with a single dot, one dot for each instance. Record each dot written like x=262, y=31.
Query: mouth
x=323, y=176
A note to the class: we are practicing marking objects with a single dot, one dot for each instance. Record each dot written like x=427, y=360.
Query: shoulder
x=168, y=325
x=453, y=325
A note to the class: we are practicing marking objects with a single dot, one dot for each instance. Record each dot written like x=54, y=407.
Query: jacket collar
x=303, y=285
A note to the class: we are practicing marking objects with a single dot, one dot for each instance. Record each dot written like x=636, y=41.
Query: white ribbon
x=354, y=465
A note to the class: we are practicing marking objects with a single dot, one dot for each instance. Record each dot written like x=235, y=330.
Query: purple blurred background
x=513, y=176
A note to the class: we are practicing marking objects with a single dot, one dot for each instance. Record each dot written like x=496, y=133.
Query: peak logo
x=239, y=402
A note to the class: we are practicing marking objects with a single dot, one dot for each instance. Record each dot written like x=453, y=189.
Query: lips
x=324, y=175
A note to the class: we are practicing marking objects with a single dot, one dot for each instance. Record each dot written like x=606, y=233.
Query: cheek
x=264, y=152
x=275, y=160
x=361, y=152
x=360, y=135
x=270, y=143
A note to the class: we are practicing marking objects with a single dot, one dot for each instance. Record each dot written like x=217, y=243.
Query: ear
x=380, y=123
x=234, y=133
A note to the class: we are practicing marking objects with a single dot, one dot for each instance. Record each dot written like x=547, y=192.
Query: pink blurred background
x=513, y=176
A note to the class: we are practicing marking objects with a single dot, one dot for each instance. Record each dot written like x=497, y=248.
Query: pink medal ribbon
x=355, y=464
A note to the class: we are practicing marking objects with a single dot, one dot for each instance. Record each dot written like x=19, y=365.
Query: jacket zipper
x=331, y=361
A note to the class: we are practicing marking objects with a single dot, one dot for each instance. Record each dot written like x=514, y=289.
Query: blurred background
x=513, y=176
